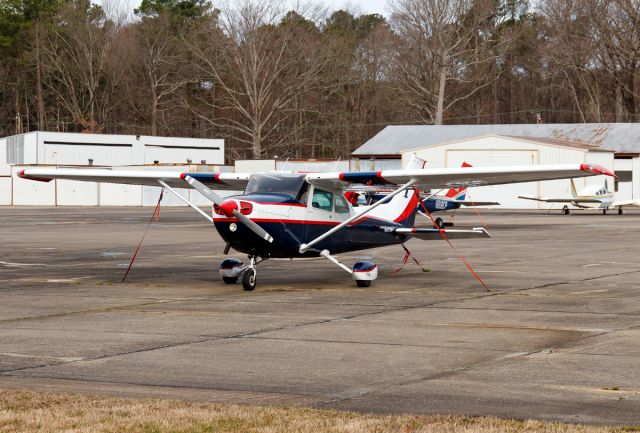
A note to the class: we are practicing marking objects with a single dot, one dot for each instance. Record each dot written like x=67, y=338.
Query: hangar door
x=506, y=195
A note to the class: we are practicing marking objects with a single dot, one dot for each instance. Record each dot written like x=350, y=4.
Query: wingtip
x=597, y=169
x=482, y=230
x=23, y=175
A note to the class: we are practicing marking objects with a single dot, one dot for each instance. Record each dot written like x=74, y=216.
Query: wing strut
x=196, y=208
x=305, y=247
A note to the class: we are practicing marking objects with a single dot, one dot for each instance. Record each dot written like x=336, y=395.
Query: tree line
x=313, y=82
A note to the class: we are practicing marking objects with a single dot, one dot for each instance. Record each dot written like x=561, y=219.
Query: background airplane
x=453, y=199
x=589, y=197
x=294, y=215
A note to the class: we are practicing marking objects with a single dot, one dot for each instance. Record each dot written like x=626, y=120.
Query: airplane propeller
x=228, y=207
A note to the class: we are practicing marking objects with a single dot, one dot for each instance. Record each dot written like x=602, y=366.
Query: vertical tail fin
x=401, y=209
x=458, y=193
x=408, y=216
x=416, y=162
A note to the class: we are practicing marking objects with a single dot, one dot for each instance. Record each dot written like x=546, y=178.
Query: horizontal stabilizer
x=475, y=203
x=561, y=200
x=623, y=203
x=434, y=234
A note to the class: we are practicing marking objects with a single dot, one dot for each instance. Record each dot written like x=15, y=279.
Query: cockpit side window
x=303, y=194
x=341, y=205
x=322, y=199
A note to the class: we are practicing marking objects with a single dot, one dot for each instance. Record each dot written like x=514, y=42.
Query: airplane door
x=325, y=209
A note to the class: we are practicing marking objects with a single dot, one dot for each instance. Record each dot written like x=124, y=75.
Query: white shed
x=137, y=152
x=502, y=150
x=65, y=148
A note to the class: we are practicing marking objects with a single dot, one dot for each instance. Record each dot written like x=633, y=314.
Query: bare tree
x=163, y=65
x=84, y=63
x=258, y=64
x=439, y=47
x=571, y=55
x=616, y=27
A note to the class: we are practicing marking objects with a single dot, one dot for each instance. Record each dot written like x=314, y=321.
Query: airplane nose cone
x=227, y=207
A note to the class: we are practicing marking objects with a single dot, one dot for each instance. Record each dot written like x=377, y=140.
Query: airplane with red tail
x=294, y=215
x=453, y=199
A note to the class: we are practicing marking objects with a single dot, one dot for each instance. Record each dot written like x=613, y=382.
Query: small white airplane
x=589, y=197
x=293, y=215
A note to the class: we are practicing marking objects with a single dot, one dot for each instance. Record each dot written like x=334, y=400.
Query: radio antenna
x=337, y=162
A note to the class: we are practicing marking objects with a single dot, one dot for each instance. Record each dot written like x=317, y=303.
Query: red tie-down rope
x=407, y=255
x=135, y=254
x=444, y=236
x=475, y=208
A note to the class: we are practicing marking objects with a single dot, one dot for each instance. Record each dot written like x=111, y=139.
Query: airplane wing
x=436, y=178
x=229, y=181
x=429, y=234
x=624, y=203
x=560, y=200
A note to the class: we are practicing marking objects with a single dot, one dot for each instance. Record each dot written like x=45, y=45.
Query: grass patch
x=44, y=412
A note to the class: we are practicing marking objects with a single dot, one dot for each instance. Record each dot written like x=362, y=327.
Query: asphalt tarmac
x=557, y=337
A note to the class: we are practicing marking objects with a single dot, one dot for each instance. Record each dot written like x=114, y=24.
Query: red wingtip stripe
x=183, y=176
x=23, y=175
x=597, y=168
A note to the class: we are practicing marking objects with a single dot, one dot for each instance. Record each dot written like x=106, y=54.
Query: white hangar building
x=137, y=152
x=614, y=145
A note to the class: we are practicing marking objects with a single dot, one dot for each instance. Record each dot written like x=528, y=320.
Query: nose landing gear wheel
x=620, y=211
x=565, y=210
x=604, y=211
x=230, y=280
x=249, y=279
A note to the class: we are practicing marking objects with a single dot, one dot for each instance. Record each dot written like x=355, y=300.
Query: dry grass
x=28, y=411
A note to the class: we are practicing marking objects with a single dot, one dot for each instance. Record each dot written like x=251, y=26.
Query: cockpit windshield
x=292, y=185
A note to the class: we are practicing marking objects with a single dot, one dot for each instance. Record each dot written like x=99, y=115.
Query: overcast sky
x=365, y=6
x=362, y=6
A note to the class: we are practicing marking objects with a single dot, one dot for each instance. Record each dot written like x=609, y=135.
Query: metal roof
x=393, y=140
x=556, y=142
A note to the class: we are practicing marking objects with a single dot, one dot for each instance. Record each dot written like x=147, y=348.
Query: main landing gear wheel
x=620, y=211
x=604, y=211
x=439, y=223
x=364, y=273
x=565, y=210
x=249, y=280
